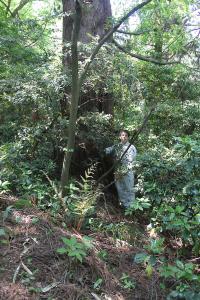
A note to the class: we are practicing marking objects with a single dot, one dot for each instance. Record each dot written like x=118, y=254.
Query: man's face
x=123, y=137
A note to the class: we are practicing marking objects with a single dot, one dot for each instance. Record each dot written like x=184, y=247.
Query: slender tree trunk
x=74, y=99
x=93, y=20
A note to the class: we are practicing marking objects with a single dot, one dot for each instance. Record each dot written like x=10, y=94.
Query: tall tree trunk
x=94, y=22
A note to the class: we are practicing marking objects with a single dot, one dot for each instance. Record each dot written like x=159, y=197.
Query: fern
x=84, y=197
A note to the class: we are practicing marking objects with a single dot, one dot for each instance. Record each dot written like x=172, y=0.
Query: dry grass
x=32, y=246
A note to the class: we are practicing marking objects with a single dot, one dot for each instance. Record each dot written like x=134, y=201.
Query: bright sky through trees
x=119, y=7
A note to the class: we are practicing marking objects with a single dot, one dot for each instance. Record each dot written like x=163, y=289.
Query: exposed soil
x=31, y=268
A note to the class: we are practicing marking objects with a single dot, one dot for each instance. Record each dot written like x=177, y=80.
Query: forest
x=73, y=73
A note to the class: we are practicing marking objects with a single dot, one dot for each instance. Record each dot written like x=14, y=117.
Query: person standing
x=124, y=175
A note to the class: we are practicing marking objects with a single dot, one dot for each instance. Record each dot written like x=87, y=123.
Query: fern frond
x=87, y=195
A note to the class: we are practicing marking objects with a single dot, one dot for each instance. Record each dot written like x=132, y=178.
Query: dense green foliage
x=33, y=132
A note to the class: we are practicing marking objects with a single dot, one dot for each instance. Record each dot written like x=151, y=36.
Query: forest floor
x=31, y=267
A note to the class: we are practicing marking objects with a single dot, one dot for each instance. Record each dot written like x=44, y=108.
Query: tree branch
x=19, y=7
x=7, y=8
x=107, y=36
x=133, y=33
x=144, y=58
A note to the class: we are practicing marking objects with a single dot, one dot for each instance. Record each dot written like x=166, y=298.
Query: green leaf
x=88, y=242
x=79, y=257
x=179, y=264
x=61, y=250
x=149, y=270
x=34, y=220
x=146, y=205
x=152, y=260
x=65, y=240
x=4, y=242
x=22, y=203
x=73, y=241
x=97, y=283
x=140, y=257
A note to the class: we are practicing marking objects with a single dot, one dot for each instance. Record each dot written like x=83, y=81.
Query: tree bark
x=94, y=22
x=74, y=99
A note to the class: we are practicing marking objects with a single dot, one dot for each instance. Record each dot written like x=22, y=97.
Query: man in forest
x=124, y=176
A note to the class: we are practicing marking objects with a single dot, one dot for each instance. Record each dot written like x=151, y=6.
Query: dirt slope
x=31, y=268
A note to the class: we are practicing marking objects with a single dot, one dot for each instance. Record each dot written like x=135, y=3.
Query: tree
x=78, y=79
x=14, y=12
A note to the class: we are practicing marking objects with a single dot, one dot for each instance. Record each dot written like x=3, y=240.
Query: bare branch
x=144, y=58
x=7, y=8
